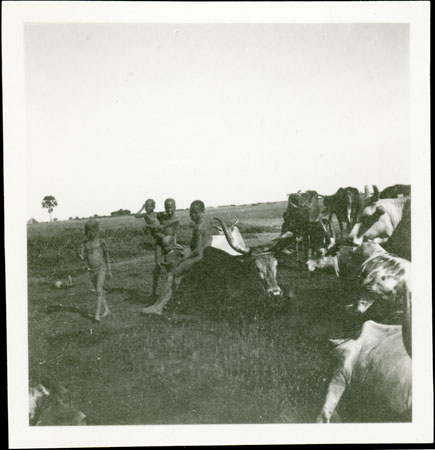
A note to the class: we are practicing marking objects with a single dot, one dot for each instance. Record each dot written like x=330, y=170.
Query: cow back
x=400, y=241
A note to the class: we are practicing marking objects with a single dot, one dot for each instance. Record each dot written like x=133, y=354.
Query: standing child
x=94, y=251
x=163, y=228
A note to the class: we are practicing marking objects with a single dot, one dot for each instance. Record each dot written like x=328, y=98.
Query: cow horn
x=376, y=193
x=407, y=322
x=218, y=228
x=236, y=222
x=238, y=248
x=367, y=192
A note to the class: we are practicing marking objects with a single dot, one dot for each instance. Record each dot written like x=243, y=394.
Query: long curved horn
x=218, y=228
x=238, y=248
x=407, y=322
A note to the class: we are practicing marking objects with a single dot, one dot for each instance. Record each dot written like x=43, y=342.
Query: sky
x=225, y=113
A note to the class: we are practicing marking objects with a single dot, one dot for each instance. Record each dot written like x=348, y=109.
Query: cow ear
x=380, y=210
x=337, y=342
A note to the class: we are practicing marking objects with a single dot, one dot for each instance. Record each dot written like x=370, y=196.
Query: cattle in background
x=303, y=218
x=377, y=369
x=378, y=218
x=346, y=205
x=397, y=190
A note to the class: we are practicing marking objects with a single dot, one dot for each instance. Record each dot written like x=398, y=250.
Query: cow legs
x=331, y=229
x=336, y=388
x=340, y=223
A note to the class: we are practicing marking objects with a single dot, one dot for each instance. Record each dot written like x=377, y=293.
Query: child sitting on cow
x=201, y=238
x=94, y=251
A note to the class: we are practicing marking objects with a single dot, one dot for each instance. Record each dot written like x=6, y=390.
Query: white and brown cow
x=378, y=218
x=377, y=366
x=380, y=277
x=378, y=274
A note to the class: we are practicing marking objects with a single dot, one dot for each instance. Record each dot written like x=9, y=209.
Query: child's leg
x=158, y=258
x=93, y=277
x=101, y=298
x=174, y=278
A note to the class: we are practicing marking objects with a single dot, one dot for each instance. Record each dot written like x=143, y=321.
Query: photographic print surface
x=218, y=224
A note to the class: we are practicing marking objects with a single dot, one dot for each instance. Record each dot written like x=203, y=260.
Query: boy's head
x=91, y=227
x=197, y=209
x=150, y=204
x=170, y=206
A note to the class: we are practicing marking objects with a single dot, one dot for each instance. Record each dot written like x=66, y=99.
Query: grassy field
x=211, y=358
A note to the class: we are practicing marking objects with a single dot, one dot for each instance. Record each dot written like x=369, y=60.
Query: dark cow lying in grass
x=229, y=268
x=376, y=369
x=260, y=259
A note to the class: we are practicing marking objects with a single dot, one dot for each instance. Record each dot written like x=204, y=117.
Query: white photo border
x=15, y=14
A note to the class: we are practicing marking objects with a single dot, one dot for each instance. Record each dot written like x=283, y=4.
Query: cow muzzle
x=311, y=265
x=274, y=292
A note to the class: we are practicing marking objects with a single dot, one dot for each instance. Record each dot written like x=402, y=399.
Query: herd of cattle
x=374, y=249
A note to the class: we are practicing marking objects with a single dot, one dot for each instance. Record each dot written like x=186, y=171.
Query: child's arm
x=138, y=215
x=170, y=223
x=152, y=226
x=197, y=251
x=106, y=257
x=81, y=251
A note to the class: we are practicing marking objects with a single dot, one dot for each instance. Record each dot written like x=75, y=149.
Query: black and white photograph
x=209, y=231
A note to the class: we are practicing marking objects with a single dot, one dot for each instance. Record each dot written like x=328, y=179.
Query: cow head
x=368, y=215
x=262, y=257
x=324, y=259
x=304, y=205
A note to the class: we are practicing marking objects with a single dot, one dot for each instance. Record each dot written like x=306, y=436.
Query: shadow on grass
x=70, y=309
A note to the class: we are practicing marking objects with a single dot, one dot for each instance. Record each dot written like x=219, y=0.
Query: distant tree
x=49, y=202
x=120, y=212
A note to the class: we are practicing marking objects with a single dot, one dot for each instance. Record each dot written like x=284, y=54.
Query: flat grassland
x=210, y=358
